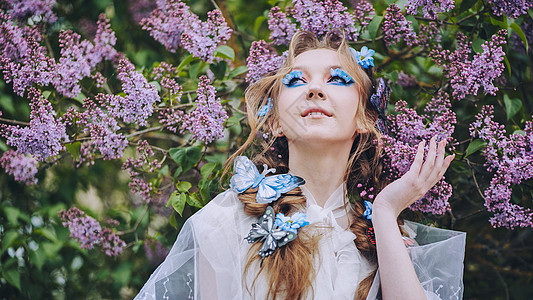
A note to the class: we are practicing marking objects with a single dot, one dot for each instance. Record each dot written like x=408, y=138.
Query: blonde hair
x=292, y=265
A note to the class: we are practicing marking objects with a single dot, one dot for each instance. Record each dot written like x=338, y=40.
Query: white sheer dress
x=207, y=260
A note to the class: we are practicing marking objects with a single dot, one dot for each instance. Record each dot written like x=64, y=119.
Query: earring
x=278, y=132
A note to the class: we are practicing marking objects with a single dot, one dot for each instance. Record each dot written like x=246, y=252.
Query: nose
x=315, y=93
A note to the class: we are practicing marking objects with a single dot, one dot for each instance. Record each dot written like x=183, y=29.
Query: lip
x=316, y=109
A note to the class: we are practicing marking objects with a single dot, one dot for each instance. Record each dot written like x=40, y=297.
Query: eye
x=293, y=79
x=340, y=77
x=337, y=79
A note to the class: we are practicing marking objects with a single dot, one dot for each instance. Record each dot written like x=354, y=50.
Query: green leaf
x=195, y=201
x=195, y=69
x=179, y=205
x=506, y=61
x=373, y=26
x=512, y=106
x=9, y=238
x=183, y=186
x=219, y=69
x=46, y=94
x=257, y=24
x=177, y=172
x=137, y=246
x=172, y=221
x=186, y=157
x=476, y=45
x=51, y=249
x=521, y=34
x=519, y=131
x=156, y=85
x=225, y=51
x=173, y=198
x=37, y=258
x=74, y=149
x=12, y=215
x=12, y=276
x=467, y=4
x=499, y=23
x=185, y=62
x=414, y=22
x=207, y=169
x=81, y=96
x=474, y=146
x=237, y=71
x=47, y=233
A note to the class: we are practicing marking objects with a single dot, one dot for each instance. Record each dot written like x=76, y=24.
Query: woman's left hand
x=414, y=184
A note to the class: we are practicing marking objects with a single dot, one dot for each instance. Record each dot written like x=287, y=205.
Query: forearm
x=397, y=274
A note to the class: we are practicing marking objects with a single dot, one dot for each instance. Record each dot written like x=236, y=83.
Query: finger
x=441, y=146
x=417, y=162
x=428, y=165
x=447, y=161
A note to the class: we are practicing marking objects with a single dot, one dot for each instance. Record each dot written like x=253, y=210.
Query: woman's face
x=318, y=100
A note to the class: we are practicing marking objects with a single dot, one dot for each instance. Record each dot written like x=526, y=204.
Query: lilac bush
x=510, y=159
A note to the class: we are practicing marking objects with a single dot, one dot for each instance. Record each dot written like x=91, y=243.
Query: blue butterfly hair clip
x=368, y=210
x=275, y=231
x=269, y=188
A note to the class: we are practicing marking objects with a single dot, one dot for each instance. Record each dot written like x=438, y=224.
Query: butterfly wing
x=245, y=174
x=273, y=186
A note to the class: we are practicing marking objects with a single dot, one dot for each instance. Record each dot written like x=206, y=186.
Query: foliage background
x=498, y=263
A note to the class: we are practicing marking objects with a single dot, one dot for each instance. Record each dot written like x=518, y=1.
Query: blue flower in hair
x=291, y=223
x=363, y=57
x=265, y=108
x=368, y=212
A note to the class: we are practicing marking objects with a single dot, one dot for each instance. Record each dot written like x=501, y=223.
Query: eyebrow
x=306, y=68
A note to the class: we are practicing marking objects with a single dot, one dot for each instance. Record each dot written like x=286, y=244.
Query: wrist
x=381, y=208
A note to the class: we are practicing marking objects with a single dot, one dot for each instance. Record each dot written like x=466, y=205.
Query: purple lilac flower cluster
x=89, y=233
x=430, y=8
x=511, y=8
x=408, y=129
x=44, y=135
x=138, y=104
x=174, y=25
x=467, y=76
x=429, y=36
x=510, y=158
x=406, y=81
x=363, y=12
x=22, y=167
x=155, y=251
x=140, y=9
x=102, y=129
x=206, y=121
x=167, y=73
x=34, y=10
x=282, y=29
x=25, y=62
x=262, y=60
x=395, y=27
x=143, y=163
x=203, y=38
x=323, y=16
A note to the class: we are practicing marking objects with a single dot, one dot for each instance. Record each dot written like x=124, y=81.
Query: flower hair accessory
x=269, y=188
x=368, y=210
x=265, y=108
x=275, y=232
x=363, y=57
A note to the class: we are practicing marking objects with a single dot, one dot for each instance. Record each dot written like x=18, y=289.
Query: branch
x=144, y=131
x=15, y=122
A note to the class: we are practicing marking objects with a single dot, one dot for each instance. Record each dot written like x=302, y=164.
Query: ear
x=275, y=128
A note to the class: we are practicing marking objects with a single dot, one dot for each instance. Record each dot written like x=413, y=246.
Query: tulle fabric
x=207, y=260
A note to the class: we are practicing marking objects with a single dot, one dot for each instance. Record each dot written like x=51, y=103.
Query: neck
x=322, y=167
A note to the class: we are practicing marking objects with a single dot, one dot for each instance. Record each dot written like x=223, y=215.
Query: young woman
x=318, y=239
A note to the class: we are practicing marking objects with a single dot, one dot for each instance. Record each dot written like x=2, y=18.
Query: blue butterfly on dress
x=269, y=233
x=269, y=188
x=380, y=100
